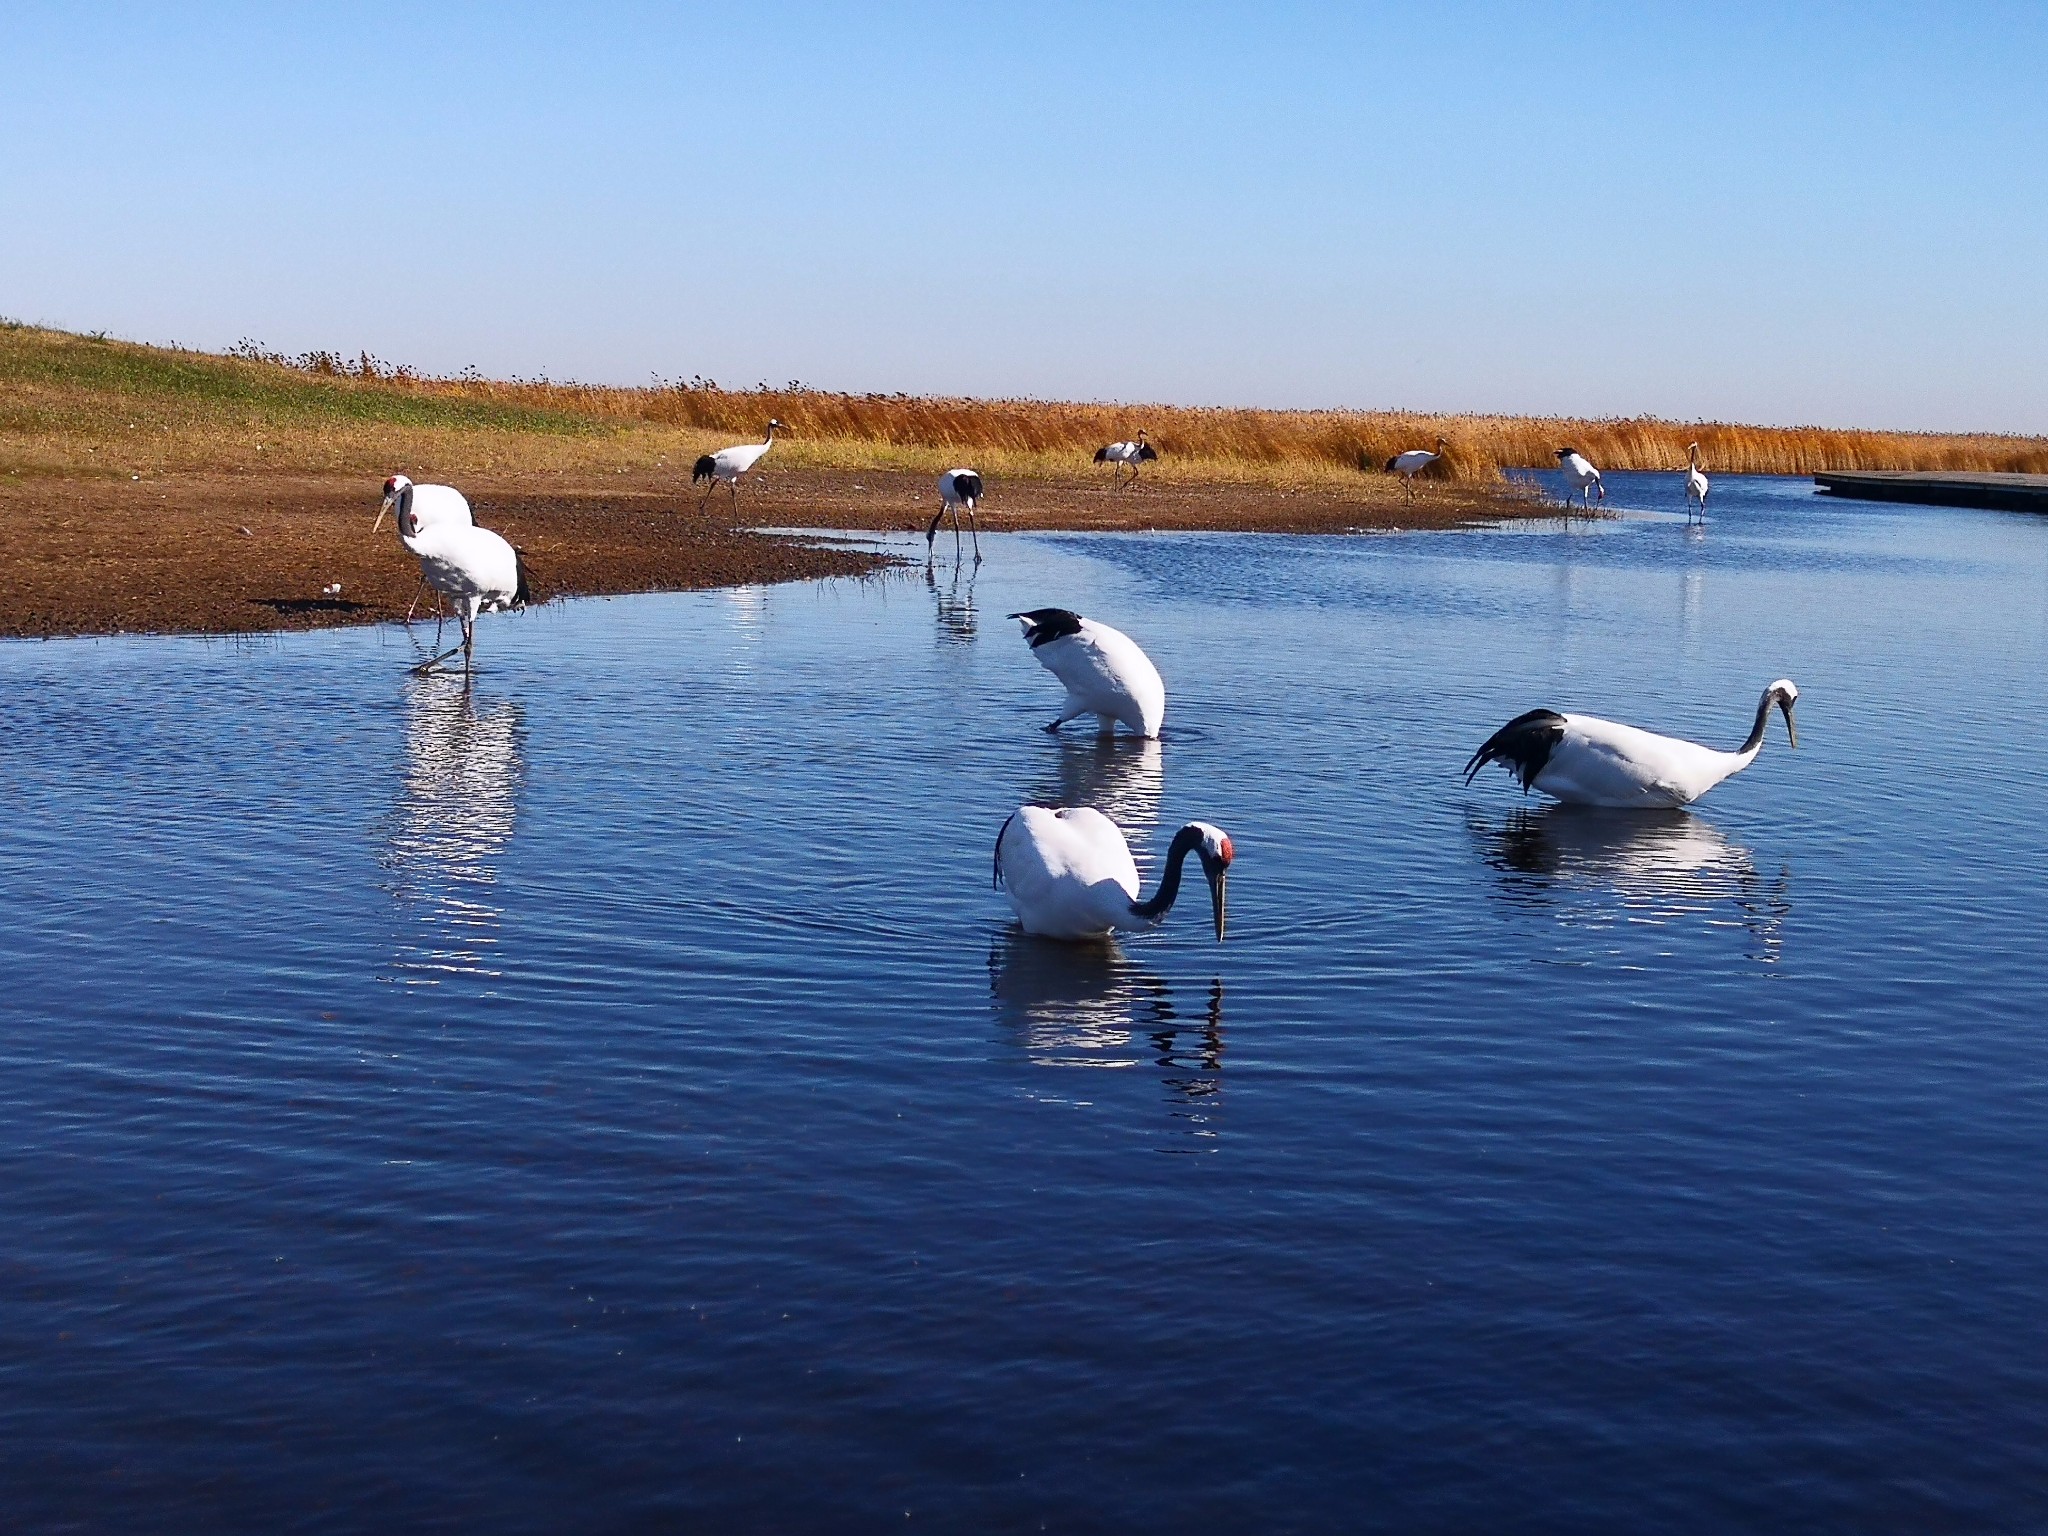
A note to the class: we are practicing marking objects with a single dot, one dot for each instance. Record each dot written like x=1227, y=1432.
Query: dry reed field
x=76, y=404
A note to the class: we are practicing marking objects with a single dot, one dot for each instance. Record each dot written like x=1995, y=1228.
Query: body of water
x=608, y=1094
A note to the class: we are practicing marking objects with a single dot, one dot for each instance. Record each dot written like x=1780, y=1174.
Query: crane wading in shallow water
x=1120, y=454
x=432, y=506
x=1695, y=483
x=475, y=567
x=728, y=464
x=1584, y=760
x=1069, y=874
x=1412, y=463
x=957, y=488
x=1106, y=674
x=1580, y=477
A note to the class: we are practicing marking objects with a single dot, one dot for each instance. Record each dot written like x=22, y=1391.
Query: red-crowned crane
x=474, y=566
x=957, y=488
x=1120, y=454
x=1105, y=672
x=1695, y=484
x=1580, y=477
x=1584, y=760
x=1069, y=874
x=728, y=464
x=432, y=505
x=1412, y=463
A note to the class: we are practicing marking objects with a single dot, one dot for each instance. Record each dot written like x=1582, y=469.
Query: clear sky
x=1780, y=213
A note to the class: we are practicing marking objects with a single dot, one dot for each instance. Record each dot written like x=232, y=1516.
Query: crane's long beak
x=382, y=507
x=1791, y=728
x=1217, y=900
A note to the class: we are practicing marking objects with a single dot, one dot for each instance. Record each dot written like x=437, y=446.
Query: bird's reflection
x=1583, y=865
x=956, y=605
x=1124, y=777
x=456, y=805
x=1090, y=1005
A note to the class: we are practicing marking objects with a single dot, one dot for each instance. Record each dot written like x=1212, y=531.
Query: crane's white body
x=432, y=506
x=1580, y=477
x=1106, y=675
x=727, y=465
x=1412, y=463
x=1584, y=760
x=1601, y=762
x=1695, y=484
x=1069, y=873
x=958, y=488
x=1120, y=455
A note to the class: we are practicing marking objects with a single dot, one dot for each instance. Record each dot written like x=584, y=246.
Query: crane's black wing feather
x=1524, y=744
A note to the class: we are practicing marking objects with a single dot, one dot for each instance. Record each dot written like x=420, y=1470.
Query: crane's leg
x=468, y=643
x=1074, y=710
x=974, y=528
x=956, y=535
x=434, y=661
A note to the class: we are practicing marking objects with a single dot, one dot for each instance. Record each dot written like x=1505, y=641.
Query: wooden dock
x=2017, y=493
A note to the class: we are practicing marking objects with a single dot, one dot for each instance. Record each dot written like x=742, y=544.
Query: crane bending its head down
x=1584, y=760
x=1069, y=874
x=1105, y=672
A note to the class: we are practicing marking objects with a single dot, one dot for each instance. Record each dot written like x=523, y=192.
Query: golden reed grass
x=67, y=400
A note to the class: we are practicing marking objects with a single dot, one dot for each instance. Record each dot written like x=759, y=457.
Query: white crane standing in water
x=1069, y=874
x=1412, y=463
x=1695, y=483
x=475, y=567
x=957, y=488
x=1106, y=674
x=1584, y=760
x=728, y=464
x=432, y=507
x=1120, y=454
x=1580, y=477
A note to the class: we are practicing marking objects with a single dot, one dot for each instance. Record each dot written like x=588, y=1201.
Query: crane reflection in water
x=457, y=802
x=1092, y=1006
x=955, y=605
x=1588, y=867
x=1124, y=777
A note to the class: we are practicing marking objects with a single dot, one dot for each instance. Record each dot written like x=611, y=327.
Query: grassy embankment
x=73, y=405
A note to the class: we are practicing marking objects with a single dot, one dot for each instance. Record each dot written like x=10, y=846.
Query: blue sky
x=1821, y=213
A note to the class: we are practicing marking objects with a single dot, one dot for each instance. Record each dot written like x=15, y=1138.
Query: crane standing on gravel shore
x=1120, y=454
x=1412, y=463
x=957, y=488
x=728, y=464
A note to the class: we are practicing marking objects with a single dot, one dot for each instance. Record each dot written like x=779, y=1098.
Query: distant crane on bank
x=1412, y=463
x=1580, y=477
x=1695, y=484
x=1584, y=760
x=728, y=464
x=475, y=567
x=1120, y=454
x=957, y=488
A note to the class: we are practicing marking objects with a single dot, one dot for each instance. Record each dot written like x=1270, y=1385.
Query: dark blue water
x=611, y=1097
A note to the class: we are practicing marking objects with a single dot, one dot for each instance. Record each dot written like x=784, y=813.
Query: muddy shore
x=234, y=553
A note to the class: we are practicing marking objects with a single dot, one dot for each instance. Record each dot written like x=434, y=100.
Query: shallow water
x=610, y=1094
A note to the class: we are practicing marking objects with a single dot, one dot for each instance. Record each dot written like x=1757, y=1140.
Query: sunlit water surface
x=611, y=1095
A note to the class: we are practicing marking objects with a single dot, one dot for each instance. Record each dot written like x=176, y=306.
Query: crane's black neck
x=1185, y=842
x=1756, y=732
